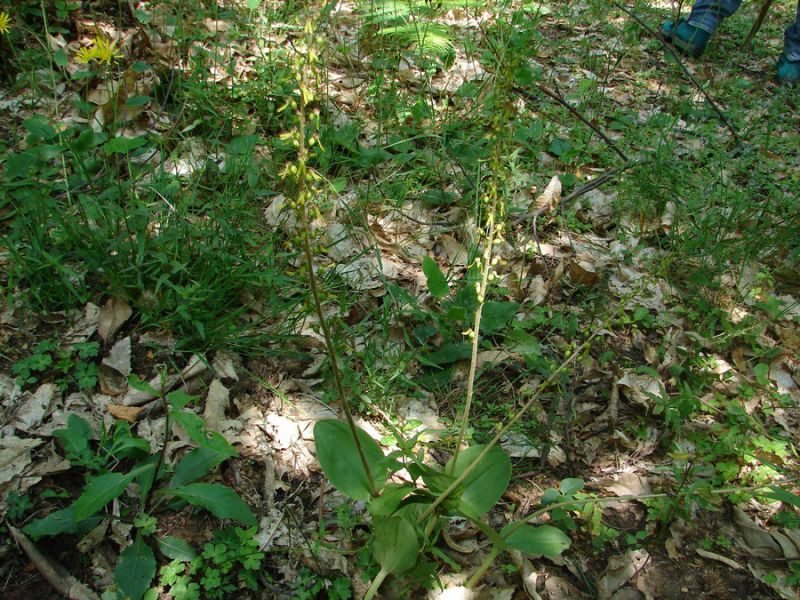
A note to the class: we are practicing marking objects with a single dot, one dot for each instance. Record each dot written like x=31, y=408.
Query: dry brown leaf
x=113, y=316
x=126, y=413
x=630, y=484
x=585, y=269
x=550, y=198
x=15, y=455
x=642, y=389
x=759, y=541
x=119, y=358
x=36, y=407
x=217, y=402
x=619, y=570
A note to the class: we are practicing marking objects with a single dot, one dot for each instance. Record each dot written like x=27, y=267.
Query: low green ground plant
x=118, y=459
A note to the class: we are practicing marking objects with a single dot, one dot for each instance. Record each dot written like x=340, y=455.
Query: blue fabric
x=707, y=14
x=791, y=39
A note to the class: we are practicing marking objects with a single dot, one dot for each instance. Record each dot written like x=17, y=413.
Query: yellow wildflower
x=101, y=51
x=5, y=22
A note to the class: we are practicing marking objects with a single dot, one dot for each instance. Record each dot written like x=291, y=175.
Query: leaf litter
x=389, y=252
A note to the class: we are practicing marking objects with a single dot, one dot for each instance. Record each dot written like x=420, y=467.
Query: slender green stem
x=460, y=479
x=337, y=375
x=476, y=328
x=304, y=194
x=376, y=583
x=485, y=566
x=498, y=545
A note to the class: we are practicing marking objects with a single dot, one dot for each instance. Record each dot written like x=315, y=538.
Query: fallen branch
x=56, y=575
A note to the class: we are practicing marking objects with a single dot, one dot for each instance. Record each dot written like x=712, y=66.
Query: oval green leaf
x=99, y=492
x=437, y=282
x=219, y=500
x=486, y=482
x=135, y=569
x=395, y=546
x=544, y=540
x=389, y=500
x=176, y=548
x=338, y=456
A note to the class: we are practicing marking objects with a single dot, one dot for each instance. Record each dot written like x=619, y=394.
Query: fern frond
x=425, y=38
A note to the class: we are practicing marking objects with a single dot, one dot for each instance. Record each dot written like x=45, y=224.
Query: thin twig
x=527, y=96
x=723, y=117
x=762, y=14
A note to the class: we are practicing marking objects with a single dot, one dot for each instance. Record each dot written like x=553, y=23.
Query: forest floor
x=157, y=314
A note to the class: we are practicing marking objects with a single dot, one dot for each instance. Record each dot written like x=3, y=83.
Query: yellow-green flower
x=101, y=51
x=5, y=22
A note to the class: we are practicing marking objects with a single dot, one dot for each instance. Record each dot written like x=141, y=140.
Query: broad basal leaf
x=338, y=456
x=219, y=500
x=102, y=490
x=390, y=498
x=437, y=282
x=496, y=315
x=395, y=546
x=58, y=522
x=487, y=481
x=544, y=540
x=175, y=548
x=196, y=464
x=135, y=569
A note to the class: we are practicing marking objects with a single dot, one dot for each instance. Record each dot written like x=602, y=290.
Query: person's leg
x=789, y=62
x=691, y=35
x=707, y=14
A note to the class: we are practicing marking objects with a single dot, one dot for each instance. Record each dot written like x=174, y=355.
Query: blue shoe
x=788, y=70
x=685, y=37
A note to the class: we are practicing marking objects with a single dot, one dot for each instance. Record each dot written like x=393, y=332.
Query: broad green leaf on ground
x=135, y=569
x=437, y=282
x=102, y=490
x=123, y=145
x=195, y=428
x=487, y=481
x=40, y=127
x=395, y=546
x=390, y=498
x=570, y=485
x=339, y=458
x=544, y=540
x=219, y=500
x=58, y=522
x=176, y=548
x=496, y=315
x=447, y=354
x=196, y=464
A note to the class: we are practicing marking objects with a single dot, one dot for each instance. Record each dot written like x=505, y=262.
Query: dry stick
x=560, y=100
x=58, y=577
x=723, y=117
x=762, y=14
x=599, y=180
x=503, y=430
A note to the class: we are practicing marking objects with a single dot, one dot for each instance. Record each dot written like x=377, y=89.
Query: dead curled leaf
x=550, y=198
x=126, y=413
x=619, y=570
x=113, y=316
